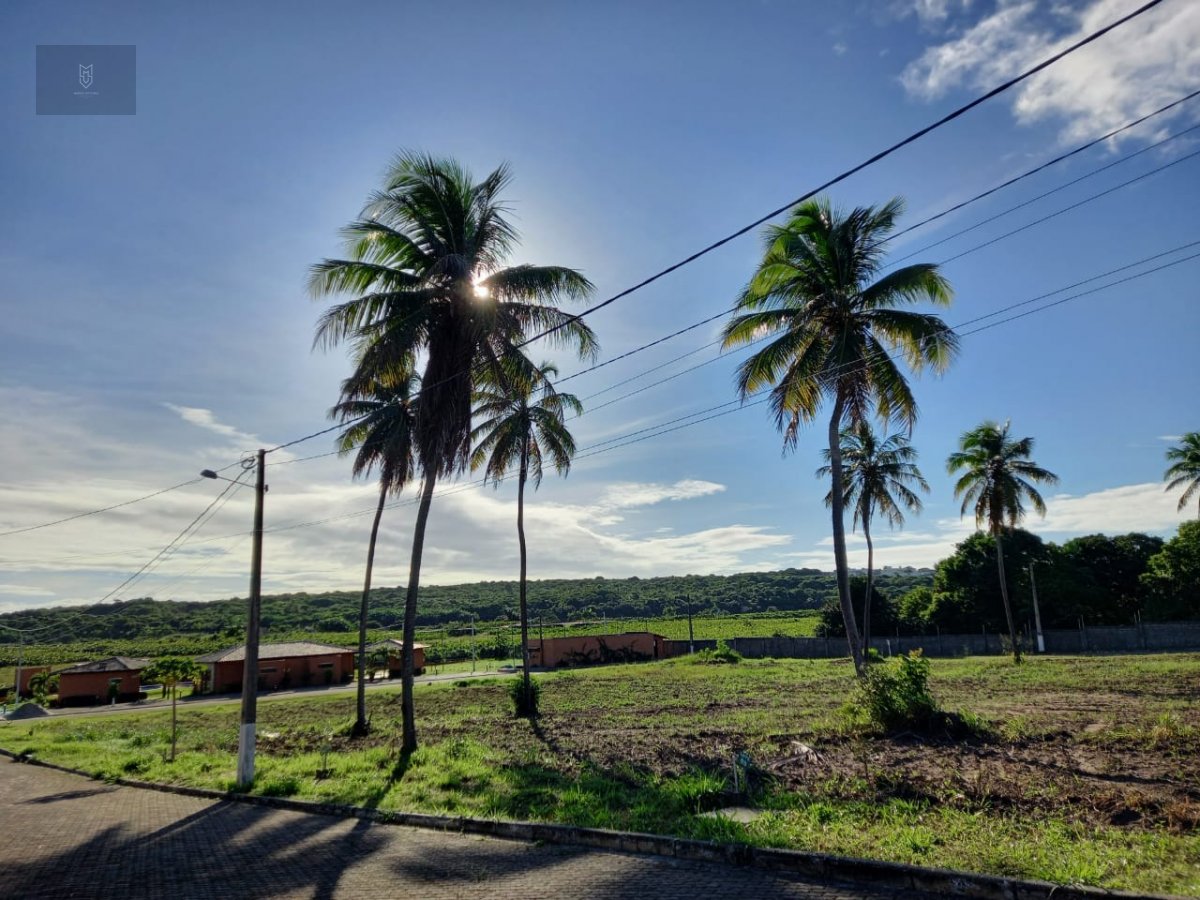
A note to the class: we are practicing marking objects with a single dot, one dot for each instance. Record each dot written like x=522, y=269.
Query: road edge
x=897, y=876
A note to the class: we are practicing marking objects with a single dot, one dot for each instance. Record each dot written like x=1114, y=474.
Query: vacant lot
x=1078, y=769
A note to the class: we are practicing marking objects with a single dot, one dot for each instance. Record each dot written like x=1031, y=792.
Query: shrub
x=523, y=707
x=723, y=654
x=895, y=696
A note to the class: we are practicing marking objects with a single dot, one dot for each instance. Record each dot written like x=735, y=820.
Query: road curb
x=897, y=876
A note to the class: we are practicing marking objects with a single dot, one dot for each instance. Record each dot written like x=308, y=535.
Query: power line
x=1052, y=162
x=916, y=135
x=105, y=509
x=949, y=117
x=724, y=408
x=945, y=212
x=1073, y=206
x=169, y=547
x=1063, y=187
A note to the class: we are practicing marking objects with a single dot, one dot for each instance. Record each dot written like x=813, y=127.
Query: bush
x=895, y=696
x=723, y=654
x=516, y=692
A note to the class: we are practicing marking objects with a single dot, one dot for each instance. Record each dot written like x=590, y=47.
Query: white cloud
x=625, y=495
x=1141, y=66
x=839, y=49
x=928, y=11
x=1170, y=438
x=1119, y=510
x=204, y=418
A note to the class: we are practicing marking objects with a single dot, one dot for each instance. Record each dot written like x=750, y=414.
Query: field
x=1074, y=769
x=497, y=640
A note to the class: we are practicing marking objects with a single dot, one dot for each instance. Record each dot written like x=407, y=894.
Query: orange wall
x=93, y=686
x=228, y=676
x=27, y=672
x=562, y=651
x=396, y=661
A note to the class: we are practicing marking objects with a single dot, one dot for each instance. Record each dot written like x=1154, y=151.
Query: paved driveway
x=66, y=836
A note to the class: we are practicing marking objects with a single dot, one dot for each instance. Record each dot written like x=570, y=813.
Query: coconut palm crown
x=876, y=477
x=833, y=323
x=997, y=479
x=524, y=425
x=426, y=272
x=1184, y=470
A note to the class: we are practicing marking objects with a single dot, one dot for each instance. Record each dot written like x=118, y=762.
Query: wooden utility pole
x=1037, y=613
x=246, y=736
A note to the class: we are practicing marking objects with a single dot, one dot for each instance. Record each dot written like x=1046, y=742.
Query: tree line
x=168, y=626
x=1095, y=579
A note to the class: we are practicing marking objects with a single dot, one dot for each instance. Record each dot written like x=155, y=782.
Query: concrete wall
x=1148, y=637
x=291, y=672
x=553, y=653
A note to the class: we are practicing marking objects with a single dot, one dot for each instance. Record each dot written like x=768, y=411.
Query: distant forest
x=554, y=600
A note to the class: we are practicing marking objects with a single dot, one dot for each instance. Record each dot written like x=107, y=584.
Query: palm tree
x=997, y=477
x=426, y=272
x=833, y=326
x=876, y=476
x=1185, y=468
x=379, y=414
x=524, y=420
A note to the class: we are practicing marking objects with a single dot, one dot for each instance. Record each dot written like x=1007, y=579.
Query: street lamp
x=246, y=735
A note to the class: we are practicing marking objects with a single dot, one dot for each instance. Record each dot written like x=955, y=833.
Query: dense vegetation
x=153, y=627
x=1103, y=580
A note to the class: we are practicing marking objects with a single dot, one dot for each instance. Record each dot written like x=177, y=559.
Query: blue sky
x=152, y=267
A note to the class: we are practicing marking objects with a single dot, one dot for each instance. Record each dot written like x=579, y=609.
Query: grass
x=1044, y=791
x=451, y=642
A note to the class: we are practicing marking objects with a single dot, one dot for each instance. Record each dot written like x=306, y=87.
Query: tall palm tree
x=833, y=319
x=875, y=477
x=380, y=416
x=426, y=272
x=1185, y=468
x=997, y=477
x=524, y=422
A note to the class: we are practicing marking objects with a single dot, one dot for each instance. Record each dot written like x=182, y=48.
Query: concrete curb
x=897, y=876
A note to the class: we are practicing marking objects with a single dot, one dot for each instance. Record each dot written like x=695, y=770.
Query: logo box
x=86, y=80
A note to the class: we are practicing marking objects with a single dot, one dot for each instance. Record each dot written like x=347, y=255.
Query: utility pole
x=246, y=736
x=20, y=659
x=691, y=634
x=472, y=643
x=1037, y=613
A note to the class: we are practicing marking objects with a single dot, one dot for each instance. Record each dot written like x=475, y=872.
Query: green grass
x=648, y=748
x=451, y=642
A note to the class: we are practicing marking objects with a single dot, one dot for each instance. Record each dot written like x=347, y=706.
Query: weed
x=722, y=654
x=895, y=695
x=525, y=705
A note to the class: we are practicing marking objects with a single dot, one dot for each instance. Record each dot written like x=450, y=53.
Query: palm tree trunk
x=409, y=742
x=1012, y=628
x=838, y=505
x=866, y=640
x=360, y=723
x=524, y=561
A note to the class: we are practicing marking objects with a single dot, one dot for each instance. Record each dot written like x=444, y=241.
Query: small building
x=591, y=650
x=27, y=674
x=395, y=652
x=97, y=682
x=294, y=664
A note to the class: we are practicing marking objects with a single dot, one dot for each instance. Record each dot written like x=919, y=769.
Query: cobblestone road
x=65, y=836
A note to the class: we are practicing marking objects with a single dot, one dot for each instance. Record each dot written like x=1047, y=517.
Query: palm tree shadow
x=225, y=848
